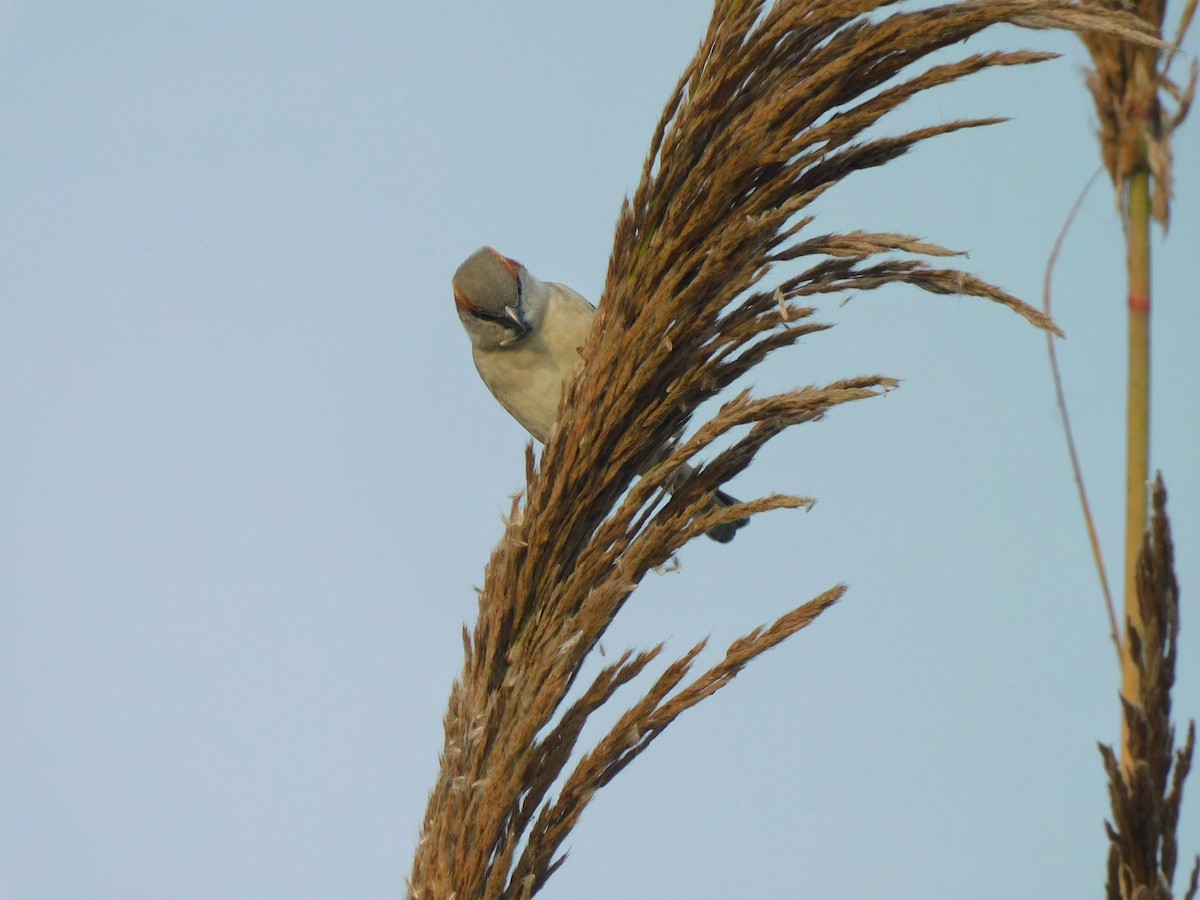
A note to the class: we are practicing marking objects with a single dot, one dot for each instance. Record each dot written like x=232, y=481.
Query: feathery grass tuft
x=1147, y=793
x=1128, y=85
x=769, y=114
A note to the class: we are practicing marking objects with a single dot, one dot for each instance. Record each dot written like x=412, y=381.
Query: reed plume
x=1134, y=93
x=1147, y=792
x=769, y=114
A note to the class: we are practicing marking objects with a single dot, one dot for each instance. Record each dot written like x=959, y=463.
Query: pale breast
x=527, y=378
x=527, y=383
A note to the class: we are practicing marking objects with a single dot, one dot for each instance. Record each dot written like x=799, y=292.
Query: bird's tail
x=723, y=534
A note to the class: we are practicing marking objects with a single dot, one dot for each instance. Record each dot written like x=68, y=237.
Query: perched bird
x=525, y=338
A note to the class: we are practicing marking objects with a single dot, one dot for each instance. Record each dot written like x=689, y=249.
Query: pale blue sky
x=249, y=474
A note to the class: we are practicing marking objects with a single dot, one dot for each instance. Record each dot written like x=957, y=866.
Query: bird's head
x=498, y=300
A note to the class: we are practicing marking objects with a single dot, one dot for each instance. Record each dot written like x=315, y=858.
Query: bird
x=525, y=339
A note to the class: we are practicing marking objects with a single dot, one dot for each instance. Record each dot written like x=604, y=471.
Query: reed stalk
x=1132, y=91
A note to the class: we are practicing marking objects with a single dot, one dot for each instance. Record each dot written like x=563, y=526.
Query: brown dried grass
x=768, y=115
x=1128, y=85
x=1146, y=795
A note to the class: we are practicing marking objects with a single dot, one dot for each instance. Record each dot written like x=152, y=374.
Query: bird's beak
x=514, y=315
